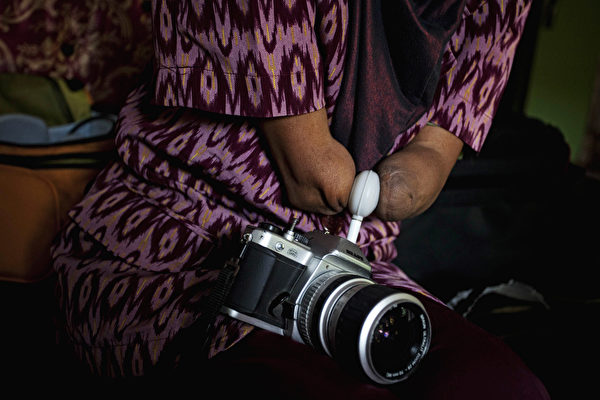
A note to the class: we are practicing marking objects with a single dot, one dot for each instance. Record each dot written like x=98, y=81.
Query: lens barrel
x=379, y=331
x=390, y=329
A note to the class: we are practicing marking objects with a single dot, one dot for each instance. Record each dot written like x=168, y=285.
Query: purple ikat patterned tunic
x=134, y=264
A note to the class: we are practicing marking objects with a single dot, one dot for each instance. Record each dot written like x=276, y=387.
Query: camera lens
x=317, y=303
x=396, y=340
x=379, y=331
x=382, y=332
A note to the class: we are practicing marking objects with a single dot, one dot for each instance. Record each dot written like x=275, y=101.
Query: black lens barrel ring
x=380, y=332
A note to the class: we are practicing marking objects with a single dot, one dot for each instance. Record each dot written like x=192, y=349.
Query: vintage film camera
x=316, y=288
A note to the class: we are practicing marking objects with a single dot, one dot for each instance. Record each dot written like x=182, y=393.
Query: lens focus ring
x=308, y=305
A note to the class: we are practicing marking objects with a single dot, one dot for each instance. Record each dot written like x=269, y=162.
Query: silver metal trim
x=291, y=249
x=306, y=307
x=364, y=350
x=325, y=322
x=352, y=260
x=251, y=320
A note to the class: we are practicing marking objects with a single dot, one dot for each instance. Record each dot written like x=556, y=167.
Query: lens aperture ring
x=317, y=306
x=308, y=305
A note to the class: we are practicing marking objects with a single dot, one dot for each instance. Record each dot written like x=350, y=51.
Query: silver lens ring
x=366, y=335
x=330, y=314
x=308, y=304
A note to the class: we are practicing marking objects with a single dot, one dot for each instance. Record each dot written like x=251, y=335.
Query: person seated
x=266, y=111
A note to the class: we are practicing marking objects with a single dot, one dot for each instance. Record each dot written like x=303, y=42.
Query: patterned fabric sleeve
x=257, y=59
x=475, y=70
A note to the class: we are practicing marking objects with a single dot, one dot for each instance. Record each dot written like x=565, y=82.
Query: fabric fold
x=389, y=82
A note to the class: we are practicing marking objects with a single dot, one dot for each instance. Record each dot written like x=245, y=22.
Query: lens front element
x=383, y=332
x=396, y=340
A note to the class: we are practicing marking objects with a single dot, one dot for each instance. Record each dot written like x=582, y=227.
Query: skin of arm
x=317, y=171
x=412, y=178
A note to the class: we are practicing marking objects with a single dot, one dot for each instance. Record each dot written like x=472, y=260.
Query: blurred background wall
x=564, y=68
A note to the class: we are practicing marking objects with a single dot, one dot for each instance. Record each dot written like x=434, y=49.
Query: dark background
x=525, y=210
x=521, y=210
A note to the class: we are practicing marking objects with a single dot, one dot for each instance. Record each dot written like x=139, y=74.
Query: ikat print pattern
x=475, y=70
x=137, y=262
x=254, y=58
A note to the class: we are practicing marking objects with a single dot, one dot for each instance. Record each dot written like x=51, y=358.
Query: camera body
x=316, y=288
x=276, y=270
